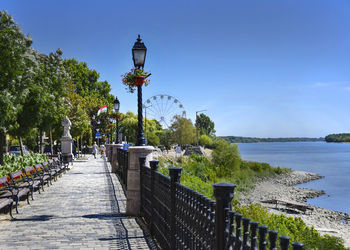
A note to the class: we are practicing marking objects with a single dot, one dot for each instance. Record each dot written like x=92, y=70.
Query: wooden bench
x=21, y=187
x=42, y=175
x=34, y=178
x=56, y=164
x=6, y=194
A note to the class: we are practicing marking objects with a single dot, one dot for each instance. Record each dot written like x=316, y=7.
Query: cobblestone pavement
x=84, y=209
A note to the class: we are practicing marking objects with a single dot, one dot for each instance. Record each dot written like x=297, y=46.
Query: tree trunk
x=78, y=146
x=41, y=142
x=51, y=144
x=21, y=145
x=2, y=142
x=37, y=142
x=81, y=143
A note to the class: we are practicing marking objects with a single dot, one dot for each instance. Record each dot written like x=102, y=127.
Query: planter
x=139, y=80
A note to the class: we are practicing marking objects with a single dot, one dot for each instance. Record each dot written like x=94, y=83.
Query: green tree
x=86, y=82
x=129, y=127
x=183, y=131
x=205, y=125
x=205, y=140
x=165, y=138
x=153, y=128
x=14, y=58
x=226, y=158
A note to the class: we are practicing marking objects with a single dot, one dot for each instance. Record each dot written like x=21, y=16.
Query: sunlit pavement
x=84, y=209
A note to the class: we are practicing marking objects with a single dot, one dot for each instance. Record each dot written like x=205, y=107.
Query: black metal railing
x=123, y=164
x=181, y=218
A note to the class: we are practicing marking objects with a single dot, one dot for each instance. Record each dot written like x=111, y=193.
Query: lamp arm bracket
x=148, y=75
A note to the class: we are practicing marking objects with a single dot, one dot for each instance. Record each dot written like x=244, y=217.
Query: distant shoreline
x=241, y=139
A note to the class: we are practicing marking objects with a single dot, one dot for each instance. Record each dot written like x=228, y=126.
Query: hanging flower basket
x=139, y=80
x=118, y=116
x=134, y=78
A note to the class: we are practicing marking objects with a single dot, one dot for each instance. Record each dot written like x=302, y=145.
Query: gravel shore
x=283, y=187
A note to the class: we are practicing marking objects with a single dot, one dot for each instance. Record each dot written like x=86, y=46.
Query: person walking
x=94, y=149
x=102, y=149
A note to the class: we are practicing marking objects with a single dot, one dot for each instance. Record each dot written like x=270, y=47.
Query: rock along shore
x=282, y=187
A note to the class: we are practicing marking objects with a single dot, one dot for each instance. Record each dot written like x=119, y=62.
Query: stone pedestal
x=133, y=198
x=114, y=156
x=67, y=149
x=108, y=154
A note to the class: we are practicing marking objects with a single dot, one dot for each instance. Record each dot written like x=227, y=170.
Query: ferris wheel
x=163, y=108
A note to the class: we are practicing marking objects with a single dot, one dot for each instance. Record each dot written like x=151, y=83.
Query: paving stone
x=83, y=209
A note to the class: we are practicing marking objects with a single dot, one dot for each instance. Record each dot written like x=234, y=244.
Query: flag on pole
x=102, y=110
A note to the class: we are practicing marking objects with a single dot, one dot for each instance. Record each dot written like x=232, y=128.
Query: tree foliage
x=183, y=131
x=205, y=140
x=37, y=91
x=14, y=59
x=343, y=137
x=226, y=158
x=205, y=125
x=86, y=82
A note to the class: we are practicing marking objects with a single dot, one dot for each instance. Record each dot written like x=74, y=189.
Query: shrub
x=13, y=163
x=226, y=158
x=205, y=141
x=295, y=228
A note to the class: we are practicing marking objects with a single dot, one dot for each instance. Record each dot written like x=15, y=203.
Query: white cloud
x=331, y=84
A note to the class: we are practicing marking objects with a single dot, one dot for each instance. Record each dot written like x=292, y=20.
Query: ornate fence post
x=238, y=244
x=154, y=169
x=114, y=156
x=175, y=174
x=262, y=237
x=223, y=193
x=284, y=242
x=273, y=238
x=253, y=238
x=246, y=233
x=297, y=246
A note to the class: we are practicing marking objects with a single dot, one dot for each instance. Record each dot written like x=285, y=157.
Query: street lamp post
x=98, y=138
x=116, y=106
x=197, y=123
x=138, y=56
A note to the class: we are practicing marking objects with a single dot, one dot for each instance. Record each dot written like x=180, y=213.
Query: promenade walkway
x=84, y=209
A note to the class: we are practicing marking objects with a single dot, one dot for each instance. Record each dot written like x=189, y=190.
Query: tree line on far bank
x=342, y=137
x=241, y=139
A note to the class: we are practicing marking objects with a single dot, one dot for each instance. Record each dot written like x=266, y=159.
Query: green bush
x=226, y=158
x=13, y=163
x=206, y=141
x=295, y=228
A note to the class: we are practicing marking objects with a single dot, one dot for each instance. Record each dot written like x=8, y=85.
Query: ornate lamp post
x=138, y=56
x=98, y=130
x=116, y=106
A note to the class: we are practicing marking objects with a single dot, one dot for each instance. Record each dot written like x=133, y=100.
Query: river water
x=331, y=160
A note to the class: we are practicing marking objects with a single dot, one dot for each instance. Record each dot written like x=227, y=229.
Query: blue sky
x=260, y=68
